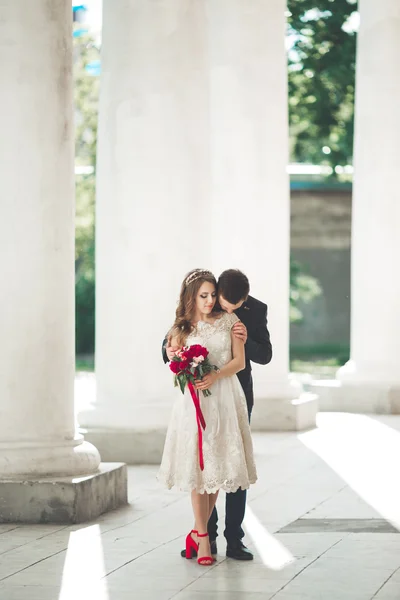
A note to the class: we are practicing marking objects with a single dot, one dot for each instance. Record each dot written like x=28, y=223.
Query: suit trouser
x=235, y=508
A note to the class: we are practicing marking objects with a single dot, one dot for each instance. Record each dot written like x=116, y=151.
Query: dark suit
x=258, y=349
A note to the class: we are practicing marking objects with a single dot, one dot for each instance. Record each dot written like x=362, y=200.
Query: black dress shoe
x=214, y=552
x=238, y=551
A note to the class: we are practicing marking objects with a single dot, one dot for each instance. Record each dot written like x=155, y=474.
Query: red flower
x=198, y=350
x=175, y=366
x=184, y=364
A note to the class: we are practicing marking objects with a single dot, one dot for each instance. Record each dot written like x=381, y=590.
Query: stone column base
x=271, y=414
x=335, y=396
x=132, y=446
x=64, y=500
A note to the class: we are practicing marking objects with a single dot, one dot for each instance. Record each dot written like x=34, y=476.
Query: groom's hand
x=240, y=331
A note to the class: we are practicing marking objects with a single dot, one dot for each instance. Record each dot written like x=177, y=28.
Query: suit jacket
x=258, y=349
x=253, y=313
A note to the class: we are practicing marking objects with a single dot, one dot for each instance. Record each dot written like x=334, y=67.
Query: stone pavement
x=322, y=520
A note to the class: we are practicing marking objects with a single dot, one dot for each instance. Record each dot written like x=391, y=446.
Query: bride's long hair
x=191, y=284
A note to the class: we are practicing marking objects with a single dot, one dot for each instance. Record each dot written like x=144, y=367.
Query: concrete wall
x=320, y=240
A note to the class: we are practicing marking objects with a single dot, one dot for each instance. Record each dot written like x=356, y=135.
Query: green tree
x=322, y=79
x=86, y=109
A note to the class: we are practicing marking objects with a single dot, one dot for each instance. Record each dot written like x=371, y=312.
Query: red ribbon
x=200, y=421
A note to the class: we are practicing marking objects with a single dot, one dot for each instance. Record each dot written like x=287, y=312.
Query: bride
x=227, y=445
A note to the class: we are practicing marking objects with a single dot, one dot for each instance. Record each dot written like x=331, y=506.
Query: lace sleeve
x=230, y=320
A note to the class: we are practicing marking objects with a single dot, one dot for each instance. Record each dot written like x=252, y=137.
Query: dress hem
x=208, y=490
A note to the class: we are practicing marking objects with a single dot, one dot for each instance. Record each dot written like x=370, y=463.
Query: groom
x=233, y=295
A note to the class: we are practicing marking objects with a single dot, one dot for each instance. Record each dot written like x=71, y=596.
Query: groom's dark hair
x=233, y=285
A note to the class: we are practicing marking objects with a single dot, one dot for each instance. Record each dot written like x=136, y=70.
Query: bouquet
x=189, y=364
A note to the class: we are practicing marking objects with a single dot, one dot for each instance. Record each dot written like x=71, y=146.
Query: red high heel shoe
x=204, y=560
x=191, y=545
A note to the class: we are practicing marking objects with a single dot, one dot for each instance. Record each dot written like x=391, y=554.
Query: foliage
x=326, y=354
x=86, y=107
x=322, y=80
x=303, y=289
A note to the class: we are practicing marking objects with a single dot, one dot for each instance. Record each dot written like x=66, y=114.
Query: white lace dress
x=227, y=444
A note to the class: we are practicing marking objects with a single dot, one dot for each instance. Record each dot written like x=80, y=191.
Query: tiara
x=196, y=275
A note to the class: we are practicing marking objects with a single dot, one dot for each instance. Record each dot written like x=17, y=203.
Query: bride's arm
x=237, y=364
x=238, y=361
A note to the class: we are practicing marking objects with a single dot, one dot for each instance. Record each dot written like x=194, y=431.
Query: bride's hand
x=207, y=381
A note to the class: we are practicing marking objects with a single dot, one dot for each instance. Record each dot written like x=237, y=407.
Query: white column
x=37, y=433
x=251, y=220
x=152, y=212
x=371, y=380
